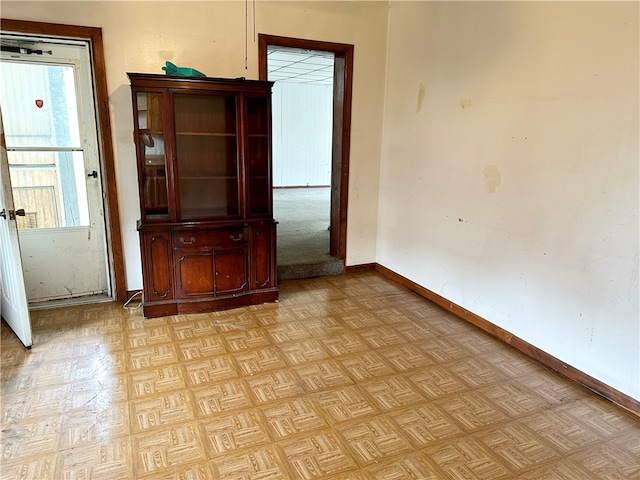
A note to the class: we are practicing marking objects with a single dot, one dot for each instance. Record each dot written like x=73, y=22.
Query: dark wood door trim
x=342, y=91
x=94, y=36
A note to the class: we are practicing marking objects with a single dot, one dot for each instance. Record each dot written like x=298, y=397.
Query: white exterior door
x=13, y=301
x=51, y=137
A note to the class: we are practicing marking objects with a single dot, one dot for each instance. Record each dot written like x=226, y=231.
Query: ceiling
x=300, y=66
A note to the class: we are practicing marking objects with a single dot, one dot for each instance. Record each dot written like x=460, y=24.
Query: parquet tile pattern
x=350, y=377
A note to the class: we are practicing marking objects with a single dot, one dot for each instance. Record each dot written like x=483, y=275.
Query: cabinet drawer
x=209, y=238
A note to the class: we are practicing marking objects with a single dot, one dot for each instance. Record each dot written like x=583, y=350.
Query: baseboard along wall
x=533, y=352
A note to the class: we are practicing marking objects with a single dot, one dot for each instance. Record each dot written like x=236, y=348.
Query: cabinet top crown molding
x=140, y=78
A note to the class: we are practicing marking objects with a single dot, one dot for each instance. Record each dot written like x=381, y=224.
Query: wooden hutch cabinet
x=207, y=234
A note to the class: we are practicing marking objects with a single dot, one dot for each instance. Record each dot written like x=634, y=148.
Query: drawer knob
x=187, y=242
x=235, y=239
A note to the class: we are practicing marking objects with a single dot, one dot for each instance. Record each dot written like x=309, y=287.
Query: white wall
x=210, y=36
x=302, y=122
x=509, y=176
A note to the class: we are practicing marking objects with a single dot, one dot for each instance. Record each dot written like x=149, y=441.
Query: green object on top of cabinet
x=171, y=69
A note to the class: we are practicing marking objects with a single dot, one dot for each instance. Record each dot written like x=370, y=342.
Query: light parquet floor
x=347, y=377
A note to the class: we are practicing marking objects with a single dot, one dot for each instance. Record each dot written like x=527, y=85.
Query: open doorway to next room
x=302, y=115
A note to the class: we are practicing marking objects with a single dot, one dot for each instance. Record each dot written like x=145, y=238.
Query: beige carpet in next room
x=303, y=233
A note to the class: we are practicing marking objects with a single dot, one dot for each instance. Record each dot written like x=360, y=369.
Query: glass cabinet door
x=206, y=155
x=257, y=157
x=151, y=131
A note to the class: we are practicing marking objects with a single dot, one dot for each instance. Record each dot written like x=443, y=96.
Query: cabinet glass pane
x=205, y=113
x=259, y=197
x=258, y=120
x=150, y=128
x=207, y=155
x=257, y=156
x=258, y=161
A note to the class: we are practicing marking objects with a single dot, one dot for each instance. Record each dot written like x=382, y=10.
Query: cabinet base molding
x=533, y=352
x=162, y=309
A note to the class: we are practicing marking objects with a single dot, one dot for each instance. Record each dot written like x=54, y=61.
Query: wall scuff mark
x=420, y=97
x=491, y=178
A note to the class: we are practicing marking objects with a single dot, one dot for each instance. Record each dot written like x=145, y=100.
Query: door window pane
x=39, y=105
x=50, y=187
x=46, y=162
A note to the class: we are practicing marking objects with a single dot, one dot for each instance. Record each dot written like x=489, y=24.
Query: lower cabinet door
x=156, y=250
x=230, y=271
x=263, y=253
x=194, y=274
x=209, y=274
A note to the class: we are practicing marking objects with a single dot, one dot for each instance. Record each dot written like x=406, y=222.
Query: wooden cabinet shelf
x=206, y=177
x=206, y=134
x=207, y=234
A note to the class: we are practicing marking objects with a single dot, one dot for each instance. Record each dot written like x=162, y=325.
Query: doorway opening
x=62, y=171
x=51, y=142
x=316, y=78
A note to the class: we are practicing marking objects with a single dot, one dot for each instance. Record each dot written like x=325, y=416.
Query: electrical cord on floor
x=126, y=304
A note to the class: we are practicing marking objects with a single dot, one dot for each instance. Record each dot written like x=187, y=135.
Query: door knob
x=3, y=214
x=93, y=174
x=20, y=212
